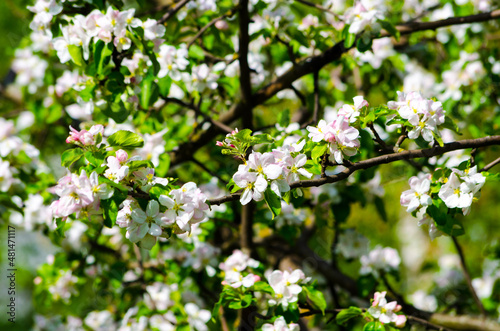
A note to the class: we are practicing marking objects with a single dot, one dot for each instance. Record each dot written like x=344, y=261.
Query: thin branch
x=245, y=84
x=433, y=25
x=307, y=66
x=211, y=23
x=383, y=159
x=490, y=165
x=224, y=128
x=289, y=48
x=427, y=324
x=316, y=98
x=213, y=174
x=379, y=140
x=299, y=95
x=467, y=276
x=319, y=7
x=399, y=298
x=173, y=11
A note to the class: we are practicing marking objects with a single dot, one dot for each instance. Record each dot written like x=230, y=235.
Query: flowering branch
x=383, y=159
x=307, y=66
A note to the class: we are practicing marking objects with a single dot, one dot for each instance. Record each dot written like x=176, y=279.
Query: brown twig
x=490, y=165
x=173, y=11
x=319, y=7
x=467, y=276
x=377, y=138
x=211, y=23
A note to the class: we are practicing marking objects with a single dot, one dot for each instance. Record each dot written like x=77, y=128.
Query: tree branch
x=467, y=276
x=490, y=165
x=212, y=22
x=173, y=11
x=383, y=159
x=245, y=84
x=307, y=66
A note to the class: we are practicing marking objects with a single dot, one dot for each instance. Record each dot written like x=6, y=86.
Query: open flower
x=386, y=312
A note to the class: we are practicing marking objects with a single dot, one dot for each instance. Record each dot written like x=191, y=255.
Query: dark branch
x=467, y=276
x=307, y=66
x=212, y=22
x=173, y=11
x=383, y=159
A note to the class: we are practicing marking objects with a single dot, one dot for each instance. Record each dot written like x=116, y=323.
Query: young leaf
x=71, y=156
x=273, y=202
x=347, y=314
x=389, y=27
x=316, y=297
x=318, y=151
x=349, y=40
x=125, y=139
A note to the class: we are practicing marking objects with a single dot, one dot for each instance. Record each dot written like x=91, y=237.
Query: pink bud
x=256, y=278
x=222, y=25
x=219, y=143
x=400, y=321
x=121, y=156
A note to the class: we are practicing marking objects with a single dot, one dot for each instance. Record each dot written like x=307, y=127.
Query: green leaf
x=316, y=298
x=116, y=110
x=196, y=52
x=318, y=151
x=369, y=326
x=273, y=202
x=379, y=204
x=389, y=27
x=95, y=158
x=450, y=124
x=125, y=139
x=263, y=138
x=134, y=165
x=60, y=227
x=261, y=286
x=364, y=44
x=284, y=118
x=71, y=156
x=347, y=314
x=149, y=92
x=341, y=211
x=76, y=54
x=244, y=135
x=110, y=211
x=366, y=284
x=349, y=40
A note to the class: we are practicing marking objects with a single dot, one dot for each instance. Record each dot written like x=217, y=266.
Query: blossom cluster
x=461, y=187
x=276, y=169
x=184, y=207
x=341, y=137
x=280, y=325
x=84, y=137
x=456, y=191
x=385, y=311
x=379, y=260
x=286, y=286
x=423, y=115
x=79, y=192
x=114, y=26
x=233, y=268
x=364, y=14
